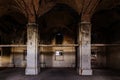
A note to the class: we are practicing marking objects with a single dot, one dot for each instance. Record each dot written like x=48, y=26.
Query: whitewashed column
x=0, y=61
x=84, y=49
x=32, y=67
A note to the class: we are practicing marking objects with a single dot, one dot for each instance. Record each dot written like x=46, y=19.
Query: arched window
x=59, y=38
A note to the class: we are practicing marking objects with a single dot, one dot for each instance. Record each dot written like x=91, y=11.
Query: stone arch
x=61, y=18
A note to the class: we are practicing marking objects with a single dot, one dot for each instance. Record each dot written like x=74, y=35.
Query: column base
x=85, y=72
x=31, y=71
x=11, y=65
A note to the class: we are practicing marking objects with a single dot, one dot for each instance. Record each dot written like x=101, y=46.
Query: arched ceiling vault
x=107, y=13
x=24, y=11
x=60, y=19
x=39, y=7
x=104, y=20
x=42, y=6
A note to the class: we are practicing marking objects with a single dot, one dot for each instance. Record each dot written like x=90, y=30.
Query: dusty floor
x=58, y=74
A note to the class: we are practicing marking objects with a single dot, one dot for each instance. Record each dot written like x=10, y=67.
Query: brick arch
x=61, y=18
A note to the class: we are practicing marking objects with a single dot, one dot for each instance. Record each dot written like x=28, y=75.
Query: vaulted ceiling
x=57, y=15
x=105, y=21
x=61, y=18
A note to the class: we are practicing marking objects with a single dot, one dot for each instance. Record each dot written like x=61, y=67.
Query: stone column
x=1, y=58
x=84, y=49
x=32, y=67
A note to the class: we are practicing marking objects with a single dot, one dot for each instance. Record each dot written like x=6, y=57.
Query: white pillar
x=32, y=67
x=84, y=49
x=1, y=58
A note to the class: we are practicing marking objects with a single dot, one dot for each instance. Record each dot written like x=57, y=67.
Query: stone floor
x=58, y=74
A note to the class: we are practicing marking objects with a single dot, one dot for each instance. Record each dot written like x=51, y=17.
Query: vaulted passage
x=82, y=35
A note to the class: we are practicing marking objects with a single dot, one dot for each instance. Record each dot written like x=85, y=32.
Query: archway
x=61, y=22
x=105, y=37
x=12, y=34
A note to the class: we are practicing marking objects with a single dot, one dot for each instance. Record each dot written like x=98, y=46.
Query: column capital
x=85, y=22
x=32, y=24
